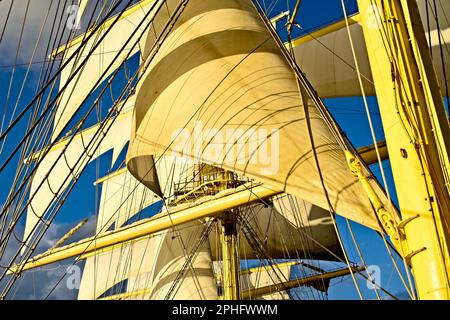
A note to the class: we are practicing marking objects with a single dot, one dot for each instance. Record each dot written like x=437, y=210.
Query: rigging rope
x=168, y=26
x=372, y=130
x=42, y=156
x=42, y=91
x=111, y=111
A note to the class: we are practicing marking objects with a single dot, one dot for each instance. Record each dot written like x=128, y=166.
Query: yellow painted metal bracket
x=384, y=216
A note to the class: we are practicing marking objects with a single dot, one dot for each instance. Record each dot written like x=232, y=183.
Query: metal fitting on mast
x=384, y=216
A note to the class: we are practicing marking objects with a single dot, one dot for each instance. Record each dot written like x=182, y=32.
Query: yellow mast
x=230, y=260
x=417, y=138
x=431, y=183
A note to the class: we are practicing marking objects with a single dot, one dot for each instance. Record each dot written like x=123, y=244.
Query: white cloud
x=32, y=21
x=37, y=284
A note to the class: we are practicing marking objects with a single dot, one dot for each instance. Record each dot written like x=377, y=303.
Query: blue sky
x=349, y=113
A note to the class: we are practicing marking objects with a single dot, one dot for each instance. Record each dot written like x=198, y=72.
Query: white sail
x=172, y=170
x=327, y=61
x=129, y=260
x=122, y=198
x=66, y=168
x=222, y=93
x=326, y=58
x=198, y=281
x=83, y=82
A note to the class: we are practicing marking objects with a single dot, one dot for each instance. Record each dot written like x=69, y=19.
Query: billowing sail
x=97, y=62
x=153, y=267
x=222, y=93
x=68, y=166
x=160, y=173
x=325, y=55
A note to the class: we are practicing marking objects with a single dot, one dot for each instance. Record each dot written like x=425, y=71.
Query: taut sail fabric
x=443, y=7
x=122, y=197
x=56, y=179
x=104, y=270
x=83, y=82
x=220, y=91
x=434, y=34
x=160, y=173
x=328, y=62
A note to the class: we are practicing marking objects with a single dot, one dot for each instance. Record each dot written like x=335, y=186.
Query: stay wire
x=42, y=156
x=62, y=67
x=86, y=117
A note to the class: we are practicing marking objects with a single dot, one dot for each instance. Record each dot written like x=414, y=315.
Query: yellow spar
x=150, y=226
